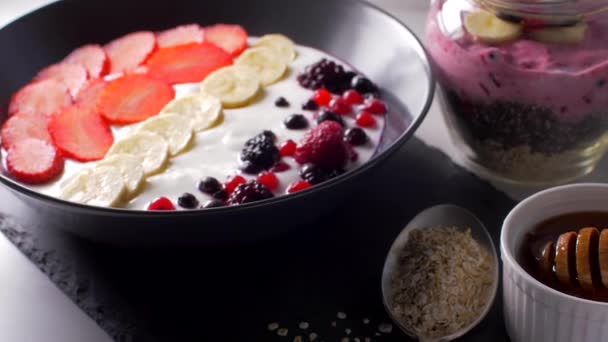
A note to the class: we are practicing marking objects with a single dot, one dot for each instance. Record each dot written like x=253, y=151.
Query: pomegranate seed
x=365, y=119
x=375, y=106
x=281, y=167
x=269, y=180
x=338, y=105
x=288, y=148
x=322, y=97
x=161, y=203
x=298, y=186
x=233, y=182
x=352, y=97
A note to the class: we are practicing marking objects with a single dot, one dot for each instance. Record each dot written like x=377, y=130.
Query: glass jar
x=523, y=84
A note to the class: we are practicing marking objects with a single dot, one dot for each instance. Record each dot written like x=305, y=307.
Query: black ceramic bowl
x=364, y=36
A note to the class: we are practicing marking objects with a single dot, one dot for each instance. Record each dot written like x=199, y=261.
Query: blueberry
x=187, y=201
x=296, y=121
x=310, y=105
x=221, y=195
x=281, y=102
x=213, y=204
x=355, y=136
x=209, y=185
x=313, y=174
x=363, y=85
x=327, y=115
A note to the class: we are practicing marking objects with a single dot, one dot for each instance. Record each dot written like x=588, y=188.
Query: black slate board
x=232, y=292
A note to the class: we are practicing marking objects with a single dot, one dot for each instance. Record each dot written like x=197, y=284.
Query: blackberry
x=363, y=85
x=355, y=136
x=326, y=74
x=251, y=191
x=213, y=204
x=310, y=105
x=281, y=102
x=209, y=185
x=313, y=174
x=259, y=153
x=327, y=115
x=296, y=121
x=187, y=201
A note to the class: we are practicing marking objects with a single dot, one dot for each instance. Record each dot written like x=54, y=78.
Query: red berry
x=323, y=146
x=298, y=186
x=352, y=97
x=269, y=180
x=375, y=106
x=233, y=182
x=280, y=167
x=338, y=105
x=161, y=203
x=322, y=97
x=288, y=148
x=365, y=119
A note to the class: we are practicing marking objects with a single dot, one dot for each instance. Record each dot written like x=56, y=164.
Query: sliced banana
x=235, y=85
x=586, y=243
x=603, y=256
x=100, y=186
x=265, y=62
x=152, y=148
x=559, y=35
x=488, y=28
x=175, y=128
x=203, y=110
x=565, y=251
x=282, y=45
x=129, y=167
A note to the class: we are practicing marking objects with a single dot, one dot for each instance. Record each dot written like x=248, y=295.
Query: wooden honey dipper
x=577, y=259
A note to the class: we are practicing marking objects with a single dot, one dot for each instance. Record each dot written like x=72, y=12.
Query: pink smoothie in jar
x=521, y=109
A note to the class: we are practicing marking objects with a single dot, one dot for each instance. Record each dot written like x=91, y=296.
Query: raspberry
x=161, y=203
x=365, y=119
x=298, y=186
x=323, y=146
x=322, y=97
x=249, y=192
x=269, y=180
x=259, y=153
x=233, y=182
x=288, y=148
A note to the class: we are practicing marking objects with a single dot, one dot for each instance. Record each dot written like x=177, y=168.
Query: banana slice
x=235, y=85
x=586, y=243
x=265, y=62
x=152, y=148
x=100, y=186
x=203, y=110
x=282, y=45
x=129, y=167
x=564, y=254
x=546, y=261
x=560, y=35
x=604, y=257
x=490, y=29
x=175, y=128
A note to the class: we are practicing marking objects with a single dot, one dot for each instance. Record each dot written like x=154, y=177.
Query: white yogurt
x=215, y=152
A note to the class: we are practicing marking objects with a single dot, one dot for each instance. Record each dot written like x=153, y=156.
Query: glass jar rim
x=541, y=8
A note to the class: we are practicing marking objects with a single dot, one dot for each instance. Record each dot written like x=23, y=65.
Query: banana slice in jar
x=565, y=252
x=129, y=167
x=203, y=110
x=101, y=186
x=488, y=28
x=235, y=86
x=282, y=45
x=265, y=62
x=151, y=148
x=586, y=243
x=559, y=35
x=175, y=128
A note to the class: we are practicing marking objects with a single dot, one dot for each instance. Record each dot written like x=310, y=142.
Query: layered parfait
x=525, y=93
x=190, y=118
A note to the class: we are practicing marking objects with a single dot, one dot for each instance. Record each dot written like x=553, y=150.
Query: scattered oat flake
x=298, y=339
x=304, y=325
x=283, y=332
x=345, y=339
x=341, y=315
x=442, y=282
x=356, y=339
x=273, y=326
x=333, y=323
x=366, y=321
x=348, y=331
x=312, y=336
x=367, y=339
x=385, y=328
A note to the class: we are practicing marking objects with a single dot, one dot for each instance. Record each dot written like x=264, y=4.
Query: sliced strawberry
x=89, y=94
x=231, y=38
x=133, y=98
x=34, y=161
x=80, y=133
x=130, y=51
x=24, y=126
x=74, y=76
x=92, y=57
x=187, y=63
x=43, y=97
x=180, y=35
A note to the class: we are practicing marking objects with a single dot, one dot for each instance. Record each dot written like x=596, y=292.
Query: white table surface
x=32, y=309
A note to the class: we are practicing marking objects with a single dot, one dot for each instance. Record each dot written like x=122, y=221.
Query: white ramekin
x=533, y=311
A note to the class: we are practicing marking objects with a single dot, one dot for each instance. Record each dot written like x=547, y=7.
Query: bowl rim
x=507, y=252
x=418, y=47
